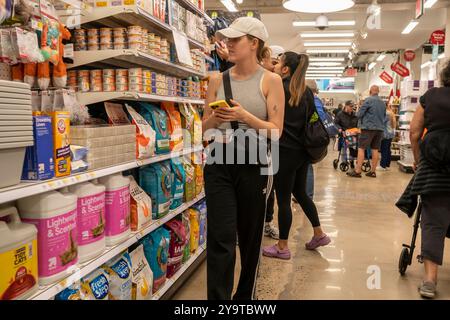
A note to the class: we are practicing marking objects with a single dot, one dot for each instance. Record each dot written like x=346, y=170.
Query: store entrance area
x=367, y=233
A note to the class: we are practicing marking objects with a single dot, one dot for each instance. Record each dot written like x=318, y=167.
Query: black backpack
x=316, y=138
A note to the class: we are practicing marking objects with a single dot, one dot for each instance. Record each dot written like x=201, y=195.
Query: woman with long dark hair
x=236, y=193
x=294, y=162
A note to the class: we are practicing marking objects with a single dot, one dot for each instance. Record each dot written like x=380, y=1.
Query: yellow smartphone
x=219, y=104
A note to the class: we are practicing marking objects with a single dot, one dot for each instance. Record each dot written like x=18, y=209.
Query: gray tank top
x=249, y=94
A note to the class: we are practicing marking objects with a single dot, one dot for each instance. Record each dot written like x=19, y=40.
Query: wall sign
x=409, y=55
x=386, y=77
x=350, y=72
x=400, y=69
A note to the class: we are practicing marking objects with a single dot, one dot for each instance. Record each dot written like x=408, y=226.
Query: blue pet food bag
x=156, y=250
x=201, y=208
x=178, y=181
x=159, y=121
x=156, y=181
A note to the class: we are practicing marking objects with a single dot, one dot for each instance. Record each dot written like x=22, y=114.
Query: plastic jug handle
x=10, y=211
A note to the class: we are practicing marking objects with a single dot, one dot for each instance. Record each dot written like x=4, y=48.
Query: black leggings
x=291, y=179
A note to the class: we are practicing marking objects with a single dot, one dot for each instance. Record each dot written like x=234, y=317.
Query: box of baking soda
x=61, y=142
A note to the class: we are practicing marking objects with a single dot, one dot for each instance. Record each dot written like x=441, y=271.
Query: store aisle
x=367, y=233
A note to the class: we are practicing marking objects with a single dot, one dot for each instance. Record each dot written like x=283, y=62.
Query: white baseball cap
x=245, y=26
x=276, y=51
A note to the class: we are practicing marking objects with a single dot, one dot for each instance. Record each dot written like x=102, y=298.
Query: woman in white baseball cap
x=236, y=193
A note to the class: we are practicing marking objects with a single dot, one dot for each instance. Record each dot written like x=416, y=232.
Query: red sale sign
x=386, y=77
x=437, y=37
x=409, y=55
x=400, y=69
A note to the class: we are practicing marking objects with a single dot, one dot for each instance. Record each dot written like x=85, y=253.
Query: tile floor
x=367, y=233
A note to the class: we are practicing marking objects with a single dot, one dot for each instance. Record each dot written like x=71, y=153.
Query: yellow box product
x=18, y=256
x=197, y=137
x=195, y=229
x=61, y=142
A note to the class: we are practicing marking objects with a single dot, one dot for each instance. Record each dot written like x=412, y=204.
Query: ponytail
x=298, y=64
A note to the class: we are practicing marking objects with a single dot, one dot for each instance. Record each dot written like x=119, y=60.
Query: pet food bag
x=175, y=129
x=198, y=173
x=197, y=127
x=189, y=186
x=145, y=135
x=141, y=206
x=94, y=286
x=187, y=123
x=195, y=228
x=156, y=181
x=187, y=240
x=115, y=113
x=142, y=275
x=156, y=250
x=119, y=272
x=157, y=118
x=178, y=182
x=201, y=208
x=176, y=247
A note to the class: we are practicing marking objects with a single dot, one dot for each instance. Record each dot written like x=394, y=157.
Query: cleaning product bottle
x=117, y=209
x=18, y=256
x=55, y=216
x=90, y=219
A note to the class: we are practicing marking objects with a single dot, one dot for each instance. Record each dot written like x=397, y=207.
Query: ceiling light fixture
x=326, y=59
x=326, y=68
x=239, y=1
x=372, y=65
x=426, y=64
x=324, y=76
x=327, y=35
x=429, y=3
x=326, y=64
x=229, y=4
x=324, y=71
x=327, y=44
x=337, y=23
x=441, y=56
x=321, y=6
x=364, y=35
x=381, y=57
x=327, y=51
x=374, y=9
x=410, y=27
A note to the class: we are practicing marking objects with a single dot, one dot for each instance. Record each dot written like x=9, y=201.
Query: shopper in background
x=294, y=163
x=432, y=178
x=346, y=119
x=371, y=117
x=266, y=61
x=389, y=132
x=236, y=193
x=338, y=109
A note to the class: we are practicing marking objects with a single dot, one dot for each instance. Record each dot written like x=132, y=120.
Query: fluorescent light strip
x=429, y=3
x=330, y=23
x=381, y=57
x=441, y=56
x=229, y=4
x=410, y=27
x=323, y=71
x=326, y=59
x=328, y=44
x=372, y=65
x=326, y=68
x=328, y=35
x=326, y=64
x=327, y=51
x=426, y=64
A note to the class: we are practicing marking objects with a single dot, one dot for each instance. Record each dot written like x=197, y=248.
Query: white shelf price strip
x=171, y=281
x=26, y=189
x=50, y=291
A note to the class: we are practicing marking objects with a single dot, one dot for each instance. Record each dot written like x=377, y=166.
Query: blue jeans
x=310, y=182
x=385, y=149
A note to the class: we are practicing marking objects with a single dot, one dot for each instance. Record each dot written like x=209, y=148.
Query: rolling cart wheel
x=335, y=164
x=366, y=166
x=344, y=166
x=403, y=262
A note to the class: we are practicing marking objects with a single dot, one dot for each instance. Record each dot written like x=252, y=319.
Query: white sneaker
x=381, y=169
x=271, y=231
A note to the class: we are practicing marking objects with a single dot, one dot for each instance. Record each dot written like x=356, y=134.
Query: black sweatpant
x=270, y=205
x=291, y=180
x=236, y=201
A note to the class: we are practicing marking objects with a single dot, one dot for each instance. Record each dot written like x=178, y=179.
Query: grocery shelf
x=94, y=97
x=126, y=15
x=26, y=189
x=125, y=57
x=192, y=7
x=171, y=281
x=48, y=292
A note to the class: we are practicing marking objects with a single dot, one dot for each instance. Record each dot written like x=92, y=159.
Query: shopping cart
x=408, y=250
x=348, y=151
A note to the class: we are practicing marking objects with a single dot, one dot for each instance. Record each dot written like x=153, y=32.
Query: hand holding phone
x=219, y=104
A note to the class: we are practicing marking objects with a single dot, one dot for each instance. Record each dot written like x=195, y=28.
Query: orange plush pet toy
x=60, y=69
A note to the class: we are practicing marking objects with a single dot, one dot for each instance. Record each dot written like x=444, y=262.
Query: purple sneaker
x=275, y=252
x=316, y=242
